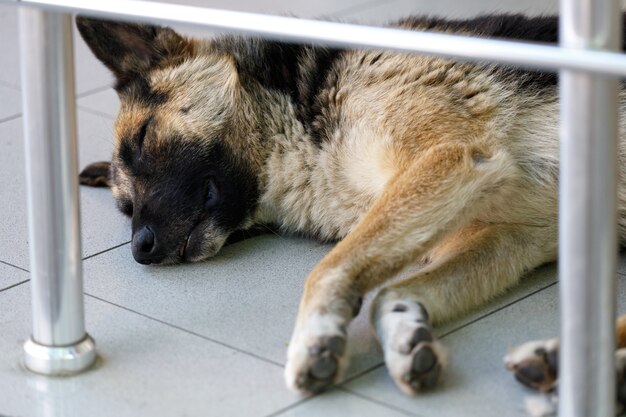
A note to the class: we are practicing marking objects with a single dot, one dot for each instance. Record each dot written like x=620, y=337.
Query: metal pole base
x=60, y=360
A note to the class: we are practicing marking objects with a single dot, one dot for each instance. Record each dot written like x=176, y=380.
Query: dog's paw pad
x=316, y=355
x=320, y=368
x=535, y=364
x=324, y=357
x=425, y=368
x=414, y=360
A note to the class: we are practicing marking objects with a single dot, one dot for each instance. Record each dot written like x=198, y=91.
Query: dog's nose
x=144, y=245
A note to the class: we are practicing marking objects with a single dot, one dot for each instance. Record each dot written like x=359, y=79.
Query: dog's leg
x=467, y=269
x=438, y=193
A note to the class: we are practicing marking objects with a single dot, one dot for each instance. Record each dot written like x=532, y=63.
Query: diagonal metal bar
x=346, y=35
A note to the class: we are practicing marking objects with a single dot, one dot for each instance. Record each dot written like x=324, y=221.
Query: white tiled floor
x=209, y=339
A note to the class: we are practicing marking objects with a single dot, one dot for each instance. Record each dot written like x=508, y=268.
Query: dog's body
x=404, y=159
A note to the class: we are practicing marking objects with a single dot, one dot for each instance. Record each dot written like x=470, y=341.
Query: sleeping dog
x=400, y=158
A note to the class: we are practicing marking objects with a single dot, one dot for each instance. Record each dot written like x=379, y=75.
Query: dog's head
x=178, y=167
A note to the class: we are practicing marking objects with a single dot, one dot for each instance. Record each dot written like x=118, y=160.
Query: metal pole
x=531, y=55
x=588, y=219
x=59, y=344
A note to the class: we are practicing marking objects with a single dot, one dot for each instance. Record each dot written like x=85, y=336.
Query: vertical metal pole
x=59, y=344
x=588, y=219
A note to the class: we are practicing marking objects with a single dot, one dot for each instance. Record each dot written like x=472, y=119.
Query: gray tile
x=145, y=369
x=9, y=50
x=90, y=74
x=476, y=383
x=278, y=7
x=105, y=102
x=10, y=102
x=246, y=297
x=386, y=12
x=338, y=403
x=253, y=287
x=102, y=225
x=10, y=275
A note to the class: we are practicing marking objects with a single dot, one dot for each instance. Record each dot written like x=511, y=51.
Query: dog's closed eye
x=125, y=206
x=141, y=137
x=212, y=194
x=131, y=152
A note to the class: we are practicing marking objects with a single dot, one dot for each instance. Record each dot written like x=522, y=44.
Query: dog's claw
x=323, y=363
x=424, y=359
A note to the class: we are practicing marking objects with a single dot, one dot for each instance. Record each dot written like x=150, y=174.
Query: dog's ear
x=96, y=175
x=130, y=49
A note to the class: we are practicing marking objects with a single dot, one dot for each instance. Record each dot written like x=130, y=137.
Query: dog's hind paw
x=418, y=370
x=535, y=364
x=414, y=358
x=316, y=356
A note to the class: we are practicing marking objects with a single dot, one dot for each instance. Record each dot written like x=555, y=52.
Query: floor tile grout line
x=95, y=112
x=9, y=118
x=15, y=266
x=292, y=406
x=182, y=329
x=462, y=326
x=106, y=250
x=78, y=107
x=497, y=310
x=93, y=91
x=379, y=402
x=344, y=390
x=83, y=259
x=78, y=95
x=14, y=285
x=360, y=374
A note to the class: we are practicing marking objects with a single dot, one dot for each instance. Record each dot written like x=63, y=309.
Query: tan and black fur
x=402, y=159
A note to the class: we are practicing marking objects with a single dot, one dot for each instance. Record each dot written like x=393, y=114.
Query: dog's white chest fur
x=324, y=190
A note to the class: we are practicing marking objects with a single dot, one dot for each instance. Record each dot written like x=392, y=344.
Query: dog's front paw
x=414, y=358
x=315, y=359
x=535, y=364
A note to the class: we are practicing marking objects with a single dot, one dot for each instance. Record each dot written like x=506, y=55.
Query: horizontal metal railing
x=346, y=35
x=589, y=29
